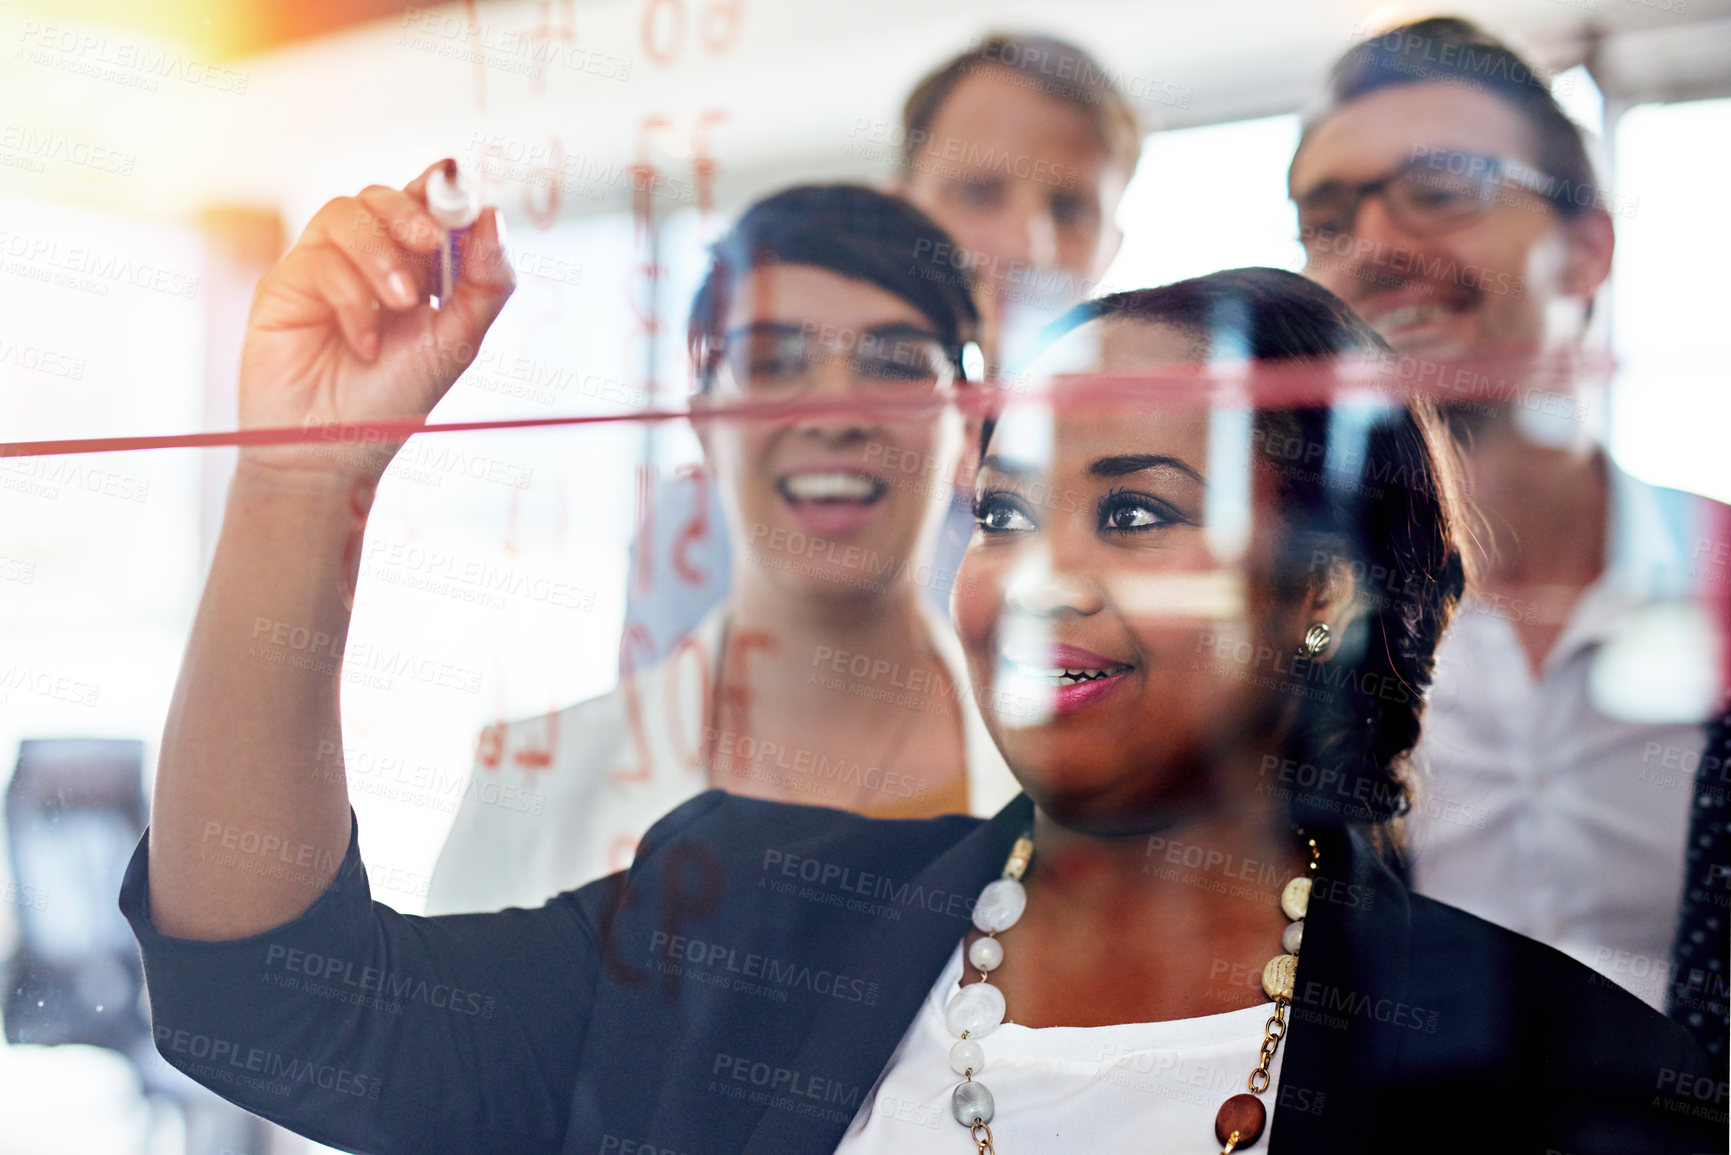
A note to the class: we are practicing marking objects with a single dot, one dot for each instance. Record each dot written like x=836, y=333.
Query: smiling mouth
x=1406, y=315
x=1069, y=676
x=835, y=488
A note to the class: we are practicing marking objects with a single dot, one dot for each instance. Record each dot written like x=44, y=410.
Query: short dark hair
x=1056, y=67
x=847, y=229
x=1450, y=50
x=1391, y=508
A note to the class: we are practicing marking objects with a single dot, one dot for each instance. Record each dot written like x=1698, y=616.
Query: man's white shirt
x=1558, y=805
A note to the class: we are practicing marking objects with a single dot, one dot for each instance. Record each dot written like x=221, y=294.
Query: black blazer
x=743, y=985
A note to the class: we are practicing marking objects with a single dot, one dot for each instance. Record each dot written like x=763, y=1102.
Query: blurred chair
x=74, y=812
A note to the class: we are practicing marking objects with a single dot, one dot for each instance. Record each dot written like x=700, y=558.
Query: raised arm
x=250, y=820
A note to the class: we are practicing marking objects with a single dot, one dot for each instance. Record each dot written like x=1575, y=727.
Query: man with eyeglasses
x=1437, y=191
x=1445, y=195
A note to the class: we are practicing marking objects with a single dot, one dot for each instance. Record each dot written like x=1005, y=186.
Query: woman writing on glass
x=769, y=977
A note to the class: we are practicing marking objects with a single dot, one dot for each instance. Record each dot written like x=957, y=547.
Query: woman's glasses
x=771, y=359
x=1432, y=194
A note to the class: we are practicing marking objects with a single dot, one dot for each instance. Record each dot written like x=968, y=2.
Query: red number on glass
x=635, y=638
x=696, y=528
x=480, y=55
x=543, y=216
x=534, y=757
x=688, y=748
x=674, y=24
x=719, y=25
x=490, y=747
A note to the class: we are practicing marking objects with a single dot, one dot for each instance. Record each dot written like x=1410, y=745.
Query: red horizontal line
x=1261, y=385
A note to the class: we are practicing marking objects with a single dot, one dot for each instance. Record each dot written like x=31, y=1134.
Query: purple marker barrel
x=452, y=202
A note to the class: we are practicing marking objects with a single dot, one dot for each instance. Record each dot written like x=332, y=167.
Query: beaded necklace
x=978, y=1008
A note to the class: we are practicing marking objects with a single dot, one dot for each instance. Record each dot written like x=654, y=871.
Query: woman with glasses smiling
x=825, y=677
x=1176, y=939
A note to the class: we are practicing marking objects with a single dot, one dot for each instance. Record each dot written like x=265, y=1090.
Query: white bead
x=1295, y=898
x=966, y=1056
x=1000, y=905
x=976, y=1010
x=986, y=954
x=1278, y=975
x=1292, y=936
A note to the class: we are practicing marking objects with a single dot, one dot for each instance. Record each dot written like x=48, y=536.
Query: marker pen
x=452, y=202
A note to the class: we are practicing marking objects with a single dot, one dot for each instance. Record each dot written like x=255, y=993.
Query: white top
x=561, y=800
x=1131, y=1087
x=1538, y=808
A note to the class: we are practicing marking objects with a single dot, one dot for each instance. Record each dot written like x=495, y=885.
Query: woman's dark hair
x=848, y=229
x=1376, y=495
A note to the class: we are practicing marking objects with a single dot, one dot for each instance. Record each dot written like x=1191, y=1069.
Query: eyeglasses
x=1435, y=193
x=770, y=359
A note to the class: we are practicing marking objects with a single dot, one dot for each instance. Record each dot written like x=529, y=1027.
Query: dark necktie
x=1699, y=973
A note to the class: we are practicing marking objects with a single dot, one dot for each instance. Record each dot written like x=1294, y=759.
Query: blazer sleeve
x=379, y=1032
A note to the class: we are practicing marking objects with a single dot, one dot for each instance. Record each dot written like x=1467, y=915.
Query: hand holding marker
x=452, y=202
x=343, y=329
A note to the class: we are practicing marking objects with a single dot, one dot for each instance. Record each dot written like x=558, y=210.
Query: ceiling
x=317, y=96
x=219, y=31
